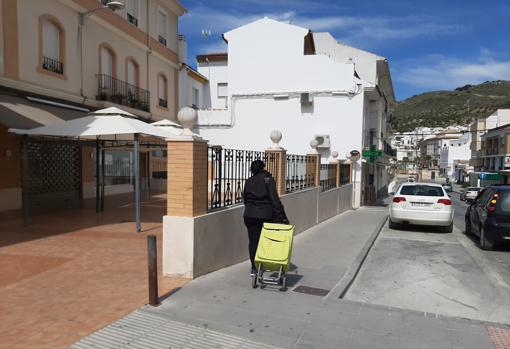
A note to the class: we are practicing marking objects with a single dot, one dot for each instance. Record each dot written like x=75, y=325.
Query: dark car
x=488, y=217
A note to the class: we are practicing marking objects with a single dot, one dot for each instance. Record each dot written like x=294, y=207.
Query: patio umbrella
x=110, y=124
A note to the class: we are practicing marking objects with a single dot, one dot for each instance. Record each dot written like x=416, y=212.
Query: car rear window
x=503, y=205
x=422, y=190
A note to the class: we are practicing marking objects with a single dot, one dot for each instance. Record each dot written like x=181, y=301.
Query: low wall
x=193, y=246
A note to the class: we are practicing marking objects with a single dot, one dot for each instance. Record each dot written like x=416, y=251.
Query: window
x=223, y=92
x=132, y=12
x=51, y=45
x=162, y=27
x=132, y=79
x=194, y=97
x=162, y=91
x=421, y=190
x=107, y=61
x=222, y=89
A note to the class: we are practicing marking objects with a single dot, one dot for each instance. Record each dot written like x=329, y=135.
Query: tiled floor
x=500, y=337
x=70, y=273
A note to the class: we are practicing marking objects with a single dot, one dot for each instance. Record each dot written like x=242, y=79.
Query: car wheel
x=449, y=228
x=467, y=231
x=393, y=225
x=485, y=243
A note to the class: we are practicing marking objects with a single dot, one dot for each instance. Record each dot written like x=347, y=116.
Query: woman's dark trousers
x=254, y=226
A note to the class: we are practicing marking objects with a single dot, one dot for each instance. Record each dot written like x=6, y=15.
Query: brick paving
x=500, y=337
x=71, y=273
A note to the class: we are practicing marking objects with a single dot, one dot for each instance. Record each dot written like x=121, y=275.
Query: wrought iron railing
x=132, y=19
x=163, y=103
x=53, y=65
x=162, y=40
x=227, y=173
x=300, y=172
x=120, y=92
x=328, y=176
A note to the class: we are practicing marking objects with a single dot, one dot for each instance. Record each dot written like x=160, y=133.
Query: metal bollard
x=153, y=270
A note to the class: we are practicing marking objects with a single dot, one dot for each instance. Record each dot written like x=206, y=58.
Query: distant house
x=278, y=76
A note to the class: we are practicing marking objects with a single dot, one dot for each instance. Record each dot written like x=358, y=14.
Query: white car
x=422, y=204
x=472, y=193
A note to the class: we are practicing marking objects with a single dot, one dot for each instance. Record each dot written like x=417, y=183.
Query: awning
x=21, y=113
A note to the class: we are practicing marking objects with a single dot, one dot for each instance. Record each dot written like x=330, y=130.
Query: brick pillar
x=277, y=166
x=313, y=168
x=187, y=178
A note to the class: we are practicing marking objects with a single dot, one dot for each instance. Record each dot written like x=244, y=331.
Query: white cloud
x=442, y=72
x=364, y=31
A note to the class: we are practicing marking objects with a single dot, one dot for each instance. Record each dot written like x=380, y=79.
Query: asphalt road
x=423, y=269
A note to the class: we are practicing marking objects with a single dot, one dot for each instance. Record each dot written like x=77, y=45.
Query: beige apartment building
x=60, y=59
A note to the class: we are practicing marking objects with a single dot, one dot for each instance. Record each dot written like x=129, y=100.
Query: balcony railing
x=162, y=40
x=120, y=92
x=163, y=103
x=53, y=65
x=132, y=19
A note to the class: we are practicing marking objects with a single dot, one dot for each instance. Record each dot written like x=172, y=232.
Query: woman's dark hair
x=257, y=166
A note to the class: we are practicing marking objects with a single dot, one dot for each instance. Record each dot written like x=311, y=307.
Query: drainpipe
x=149, y=50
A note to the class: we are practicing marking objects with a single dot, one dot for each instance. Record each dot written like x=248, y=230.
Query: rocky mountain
x=444, y=108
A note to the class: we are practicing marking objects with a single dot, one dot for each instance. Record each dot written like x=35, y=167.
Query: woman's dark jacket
x=261, y=199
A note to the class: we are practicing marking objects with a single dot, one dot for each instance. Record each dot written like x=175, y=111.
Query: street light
x=111, y=5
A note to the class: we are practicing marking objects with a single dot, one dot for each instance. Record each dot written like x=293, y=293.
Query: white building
x=278, y=76
x=454, y=150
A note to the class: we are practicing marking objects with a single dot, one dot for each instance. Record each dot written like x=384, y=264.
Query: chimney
x=183, y=49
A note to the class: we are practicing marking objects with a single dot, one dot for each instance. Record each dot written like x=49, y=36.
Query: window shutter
x=162, y=24
x=222, y=89
x=106, y=62
x=161, y=87
x=51, y=41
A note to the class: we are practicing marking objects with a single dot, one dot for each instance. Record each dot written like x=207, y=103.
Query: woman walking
x=262, y=205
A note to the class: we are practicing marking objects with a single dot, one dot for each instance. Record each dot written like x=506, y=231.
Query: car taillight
x=398, y=199
x=492, y=203
x=444, y=201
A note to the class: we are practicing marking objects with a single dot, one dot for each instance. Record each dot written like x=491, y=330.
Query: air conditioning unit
x=306, y=98
x=323, y=140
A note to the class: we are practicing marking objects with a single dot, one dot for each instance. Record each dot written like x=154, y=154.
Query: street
x=422, y=269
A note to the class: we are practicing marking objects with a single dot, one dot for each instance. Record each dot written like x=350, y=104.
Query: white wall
x=193, y=246
x=254, y=119
x=216, y=72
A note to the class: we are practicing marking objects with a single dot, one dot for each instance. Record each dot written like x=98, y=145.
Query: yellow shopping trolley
x=273, y=255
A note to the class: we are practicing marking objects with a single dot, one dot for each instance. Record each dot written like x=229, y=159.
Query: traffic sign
x=482, y=175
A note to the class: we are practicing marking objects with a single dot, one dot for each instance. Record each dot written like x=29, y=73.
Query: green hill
x=444, y=108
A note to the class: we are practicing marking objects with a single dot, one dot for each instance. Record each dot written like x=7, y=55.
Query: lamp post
x=354, y=156
x=111, y=5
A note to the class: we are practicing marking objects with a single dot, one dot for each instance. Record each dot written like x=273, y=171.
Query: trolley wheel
x=284, y=283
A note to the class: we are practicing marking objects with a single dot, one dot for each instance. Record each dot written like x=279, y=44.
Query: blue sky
x=430, y=44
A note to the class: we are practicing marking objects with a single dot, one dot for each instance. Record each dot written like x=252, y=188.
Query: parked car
x=447, y=187
x=423, y=204
x=410, y=179
x=471, y=193
x=488, y=216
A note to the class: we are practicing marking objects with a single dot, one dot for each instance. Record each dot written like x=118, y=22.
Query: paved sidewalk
x=221, y=310
x=71, y=273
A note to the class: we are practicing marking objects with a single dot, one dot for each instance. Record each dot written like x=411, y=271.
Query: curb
x=346, y=281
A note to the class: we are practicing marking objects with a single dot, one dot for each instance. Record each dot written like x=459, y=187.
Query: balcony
x=388, y=150
x=132, y=19
x=163, y=103
x=53, y=65
x=120, y=92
